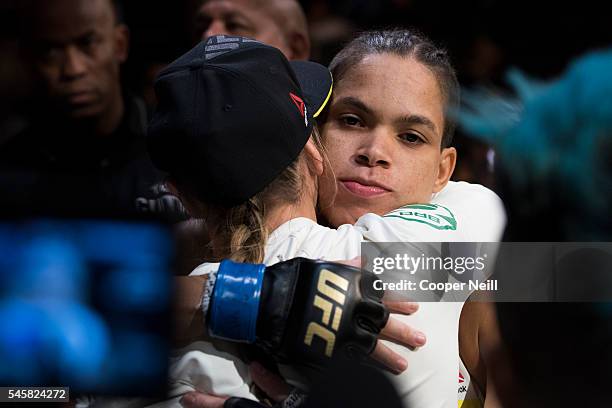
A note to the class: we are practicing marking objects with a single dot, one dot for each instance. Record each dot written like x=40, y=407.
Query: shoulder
x=435, y=216
x=305, y=238
x=477, y=209
x=410, y=223
x=462, y=193
x=460, y=212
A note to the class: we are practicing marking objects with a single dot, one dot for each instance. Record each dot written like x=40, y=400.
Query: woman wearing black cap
x=234, y=129
x=202, y=174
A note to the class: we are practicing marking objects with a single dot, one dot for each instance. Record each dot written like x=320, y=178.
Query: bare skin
x=479, y=340
x=383, y=136
x=271, y=384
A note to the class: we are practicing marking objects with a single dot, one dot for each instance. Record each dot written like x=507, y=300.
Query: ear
x=299, y=45
x=122, y=42
x=315, y=162
x=448, y=159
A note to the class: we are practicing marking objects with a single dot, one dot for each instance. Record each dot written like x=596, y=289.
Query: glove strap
x=235, y=301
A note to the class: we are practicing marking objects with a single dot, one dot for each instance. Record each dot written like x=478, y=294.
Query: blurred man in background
x=279, y=23
x=83, y=151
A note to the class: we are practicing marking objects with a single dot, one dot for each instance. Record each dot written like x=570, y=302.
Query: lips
x=365, y=188
x=81, y=98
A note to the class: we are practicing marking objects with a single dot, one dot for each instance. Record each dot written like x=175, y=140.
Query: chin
x=84, y=112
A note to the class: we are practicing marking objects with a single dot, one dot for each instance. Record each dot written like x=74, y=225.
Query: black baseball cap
x=232, y=114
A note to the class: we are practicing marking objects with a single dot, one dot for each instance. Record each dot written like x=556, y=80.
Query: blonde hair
x=240, y=232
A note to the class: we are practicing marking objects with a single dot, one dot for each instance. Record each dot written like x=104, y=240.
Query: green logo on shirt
x=434, y=215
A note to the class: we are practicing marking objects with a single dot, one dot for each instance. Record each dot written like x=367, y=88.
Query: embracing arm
x=479, y=341
x=191, y=325
x=188, y=315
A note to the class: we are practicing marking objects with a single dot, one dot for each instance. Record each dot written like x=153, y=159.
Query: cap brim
x=316, y=83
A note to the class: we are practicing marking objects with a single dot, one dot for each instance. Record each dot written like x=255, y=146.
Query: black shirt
x=59, y=171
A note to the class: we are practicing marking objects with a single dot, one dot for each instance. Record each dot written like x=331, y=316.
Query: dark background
x=539, y=37
x=483, y=37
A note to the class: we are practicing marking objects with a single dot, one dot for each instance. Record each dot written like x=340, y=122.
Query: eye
x=236, y=27
x=411, y=138
x=351, y=121
x=88, y=42
x=49, y=54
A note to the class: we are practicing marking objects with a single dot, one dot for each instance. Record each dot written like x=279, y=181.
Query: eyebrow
x=89, y=33
x=406, y=120
x=234, y=14
x=227, y=14
x=418, y=120
x=356, y=103
x=44, y=43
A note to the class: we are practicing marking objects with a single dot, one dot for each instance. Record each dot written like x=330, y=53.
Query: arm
x=479, y=338
x=188, y=316
x=192, y=245
x=191, y=325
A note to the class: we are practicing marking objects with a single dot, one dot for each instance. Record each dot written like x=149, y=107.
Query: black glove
x=307, y=311
x=162, y=202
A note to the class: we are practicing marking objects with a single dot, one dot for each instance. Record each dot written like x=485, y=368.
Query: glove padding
x=313, y=311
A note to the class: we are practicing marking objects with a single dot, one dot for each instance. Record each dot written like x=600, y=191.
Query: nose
x=216, y=27
x=75, y=64
x=375, y=150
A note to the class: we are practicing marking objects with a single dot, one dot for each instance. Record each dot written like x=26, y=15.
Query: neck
x=275, y=217
x=110, y=119
x=305, y=207
x=101, y=125
x=280, y=215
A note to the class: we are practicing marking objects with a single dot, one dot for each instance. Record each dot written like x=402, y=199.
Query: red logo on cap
x=298, y=102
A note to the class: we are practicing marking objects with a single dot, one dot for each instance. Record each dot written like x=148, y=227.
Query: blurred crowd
x=484, y=39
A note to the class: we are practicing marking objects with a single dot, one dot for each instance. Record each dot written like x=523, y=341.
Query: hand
x=308, y=312
x=271, y=384
x=299, y=311
x=399, y=333
x=196, y=399
x=395, y=331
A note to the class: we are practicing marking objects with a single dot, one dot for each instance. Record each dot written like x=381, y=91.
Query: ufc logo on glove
x=331, y=294
x=298, y=311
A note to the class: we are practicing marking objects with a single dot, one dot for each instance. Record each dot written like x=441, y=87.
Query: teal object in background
x=554, y=141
